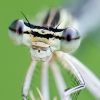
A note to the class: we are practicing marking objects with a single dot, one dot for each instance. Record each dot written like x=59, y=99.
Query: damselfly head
x=43, y=40
x=71, y=40
x=15, y=31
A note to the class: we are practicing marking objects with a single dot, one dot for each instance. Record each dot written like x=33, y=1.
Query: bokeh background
x=14, y=60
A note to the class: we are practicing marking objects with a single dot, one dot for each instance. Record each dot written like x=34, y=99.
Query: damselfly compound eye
x=71, y=40
x=15, y=31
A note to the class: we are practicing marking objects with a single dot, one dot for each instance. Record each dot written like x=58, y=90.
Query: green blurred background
x=14, y=60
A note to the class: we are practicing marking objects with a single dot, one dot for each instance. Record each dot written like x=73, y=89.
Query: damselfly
x=47, y=41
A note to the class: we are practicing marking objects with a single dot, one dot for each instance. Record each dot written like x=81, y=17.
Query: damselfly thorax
x=44, y=40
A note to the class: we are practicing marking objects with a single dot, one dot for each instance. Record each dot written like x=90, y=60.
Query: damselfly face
x=46, y=39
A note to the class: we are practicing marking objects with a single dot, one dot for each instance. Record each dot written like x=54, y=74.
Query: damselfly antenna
x=26, y=19
x=59, y=24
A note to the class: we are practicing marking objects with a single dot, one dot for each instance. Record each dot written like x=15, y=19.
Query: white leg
x=61, y=85
x=44, y=81
x=92, y=82
x=68, y=64
x=27, y=81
